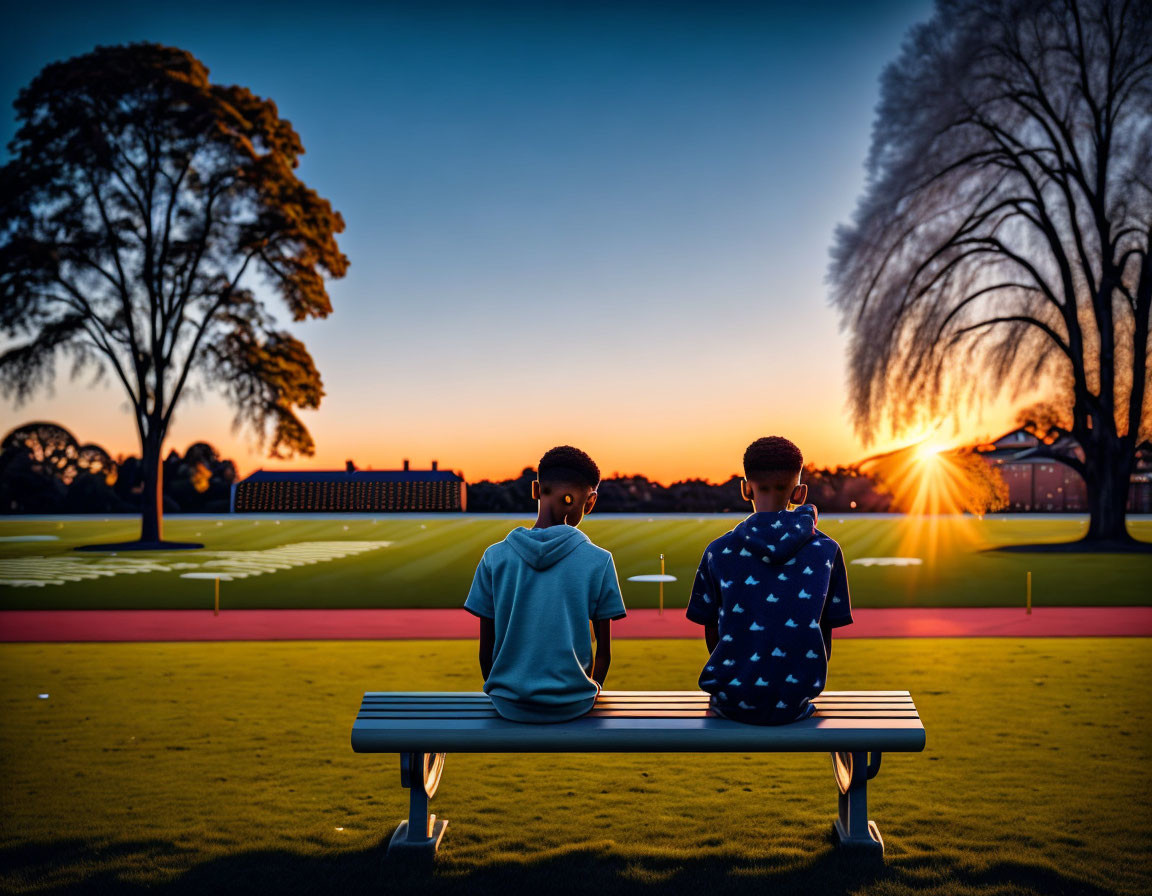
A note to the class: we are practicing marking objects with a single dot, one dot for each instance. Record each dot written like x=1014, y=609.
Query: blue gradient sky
x=604, y=225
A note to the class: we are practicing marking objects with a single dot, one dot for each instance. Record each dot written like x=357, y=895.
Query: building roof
x=1022, y=447
x=353, y=476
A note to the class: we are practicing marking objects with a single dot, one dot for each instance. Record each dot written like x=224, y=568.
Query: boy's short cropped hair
x=773, y=454
x=569, y=466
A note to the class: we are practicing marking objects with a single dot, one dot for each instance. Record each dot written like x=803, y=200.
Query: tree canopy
x=141, y=210
x=1002, y=242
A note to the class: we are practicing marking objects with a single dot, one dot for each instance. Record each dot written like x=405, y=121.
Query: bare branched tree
x=140, y=201
x=1002, y=243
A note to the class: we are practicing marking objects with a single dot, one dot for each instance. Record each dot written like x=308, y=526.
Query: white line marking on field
x=887, y=561
x=36, y=572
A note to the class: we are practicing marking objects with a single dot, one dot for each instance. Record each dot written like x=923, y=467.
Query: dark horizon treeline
x=839, y=489
x=44, y=469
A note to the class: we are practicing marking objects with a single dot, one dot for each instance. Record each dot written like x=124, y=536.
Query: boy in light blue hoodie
x=535, y=593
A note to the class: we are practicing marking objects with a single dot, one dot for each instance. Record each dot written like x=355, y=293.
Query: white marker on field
x=656, y=578
x=887, y=561
x=216, y=577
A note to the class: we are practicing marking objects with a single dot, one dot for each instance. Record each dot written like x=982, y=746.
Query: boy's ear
x=745, y=490
x=590, y=503
x=535, y=489
x=799, y=493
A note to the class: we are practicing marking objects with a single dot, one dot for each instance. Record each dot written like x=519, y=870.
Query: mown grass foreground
x=194, y=768
x=429, y=561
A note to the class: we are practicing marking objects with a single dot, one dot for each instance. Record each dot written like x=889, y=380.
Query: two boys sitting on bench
x=768, y=594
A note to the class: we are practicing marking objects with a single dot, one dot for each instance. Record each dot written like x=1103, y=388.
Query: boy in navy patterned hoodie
x=768, y=594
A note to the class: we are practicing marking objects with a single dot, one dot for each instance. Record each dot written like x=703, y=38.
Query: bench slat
x=699, y=734
x=685, y=714
x=636, y=700
x=432, y=712
x=644, y=695
x=608, y=697
x=628, y=707
x=704, y=722
x=630, y=721
x=429, y=712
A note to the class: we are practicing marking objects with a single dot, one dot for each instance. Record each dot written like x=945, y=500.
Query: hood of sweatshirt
x=542, y=548
x=779, y=535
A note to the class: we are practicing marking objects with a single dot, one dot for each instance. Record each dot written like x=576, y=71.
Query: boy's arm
x=704, y=604
x=838, y=605
x=603, y=658
x=487, y=643
x=479, y=603
x=608, y=605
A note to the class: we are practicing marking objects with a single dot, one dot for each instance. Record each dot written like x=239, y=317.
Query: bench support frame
x=852, y=828
x=421, y=834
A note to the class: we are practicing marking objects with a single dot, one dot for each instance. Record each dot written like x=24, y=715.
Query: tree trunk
x=152, y=467
x=1107, y=483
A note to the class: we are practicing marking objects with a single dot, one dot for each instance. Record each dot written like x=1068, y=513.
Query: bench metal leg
x=853, y=829
x=421, y=834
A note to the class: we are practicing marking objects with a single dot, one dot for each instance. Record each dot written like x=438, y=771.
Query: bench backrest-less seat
x=423, y=726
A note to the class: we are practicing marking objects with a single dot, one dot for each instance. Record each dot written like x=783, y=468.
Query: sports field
x=200, y=768
x=428, y=561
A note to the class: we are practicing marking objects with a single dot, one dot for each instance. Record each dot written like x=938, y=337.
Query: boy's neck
x=544, y=520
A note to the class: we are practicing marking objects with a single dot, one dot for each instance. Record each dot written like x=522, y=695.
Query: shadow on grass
x=587, y=872
x=1117, y=546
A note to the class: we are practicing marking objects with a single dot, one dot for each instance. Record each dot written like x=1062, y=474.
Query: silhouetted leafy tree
x=200, y=481
x=139, y=202
x=43, y=469
x=1003, y=239
x=51, y=448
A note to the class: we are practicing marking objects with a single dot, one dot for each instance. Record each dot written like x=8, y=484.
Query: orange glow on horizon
x=714, y=456
x=928, y=480
x=691, y=437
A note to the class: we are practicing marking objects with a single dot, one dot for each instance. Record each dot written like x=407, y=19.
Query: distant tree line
x=44, y=469
x=838, y=489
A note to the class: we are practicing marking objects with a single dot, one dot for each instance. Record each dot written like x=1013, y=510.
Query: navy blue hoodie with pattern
x=775, y=587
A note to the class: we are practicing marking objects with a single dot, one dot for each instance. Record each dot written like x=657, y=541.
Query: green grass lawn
x=193, y=768
x=430, y=561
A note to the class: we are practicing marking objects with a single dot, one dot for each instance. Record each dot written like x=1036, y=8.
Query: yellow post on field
x=1029, y=604
x=216, y=606
x=660, y=612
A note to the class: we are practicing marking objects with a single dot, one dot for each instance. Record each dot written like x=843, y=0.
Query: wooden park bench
x=423, y=726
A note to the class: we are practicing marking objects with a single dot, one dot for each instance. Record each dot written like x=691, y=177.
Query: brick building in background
x=1038, y=483
x=350, y=491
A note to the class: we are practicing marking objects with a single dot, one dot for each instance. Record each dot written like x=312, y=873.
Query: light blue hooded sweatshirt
x=541, y=587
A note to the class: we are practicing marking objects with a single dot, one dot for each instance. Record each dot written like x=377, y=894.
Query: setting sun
x=927, y=479
x=927, y=451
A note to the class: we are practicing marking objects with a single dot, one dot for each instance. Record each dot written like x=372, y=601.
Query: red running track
x=308, y=625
